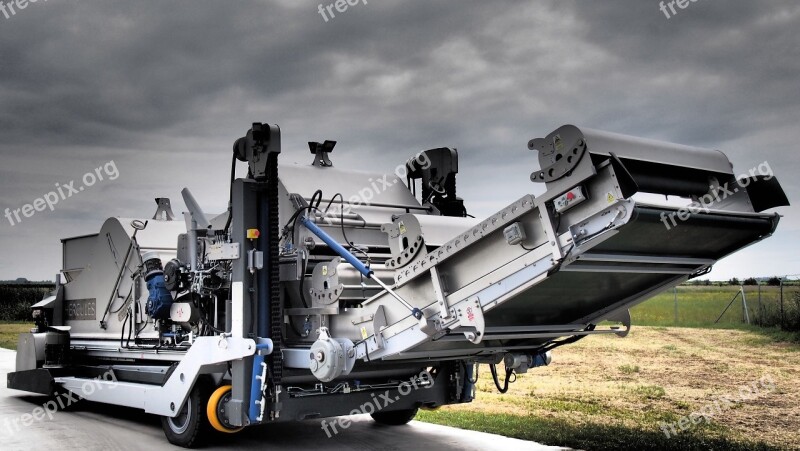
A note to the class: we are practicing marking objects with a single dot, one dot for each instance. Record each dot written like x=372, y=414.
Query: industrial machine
x=325, y=291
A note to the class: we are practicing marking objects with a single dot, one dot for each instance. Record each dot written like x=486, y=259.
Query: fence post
x=744, y=306
x=760, y=320
x=675, y=297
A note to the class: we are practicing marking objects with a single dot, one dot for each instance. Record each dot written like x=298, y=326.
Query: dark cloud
x=163, y=89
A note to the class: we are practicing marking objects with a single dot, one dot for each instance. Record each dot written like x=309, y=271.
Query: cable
x=230, y=193
x=366, y=349
x=146, y=322
x=122, y=333
x=130, y=329
x=560, y=261
x=509, y=373
x=341, y=223
x=123, y=302
x=566, y=341
x=295, y=216
x=303, y=280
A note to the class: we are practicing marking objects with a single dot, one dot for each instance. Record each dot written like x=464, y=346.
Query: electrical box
x=514, y=233
x=569, y=199
x=223, y=251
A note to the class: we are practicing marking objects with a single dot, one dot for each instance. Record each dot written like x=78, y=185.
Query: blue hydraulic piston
x=356, y=263
x=256, y=410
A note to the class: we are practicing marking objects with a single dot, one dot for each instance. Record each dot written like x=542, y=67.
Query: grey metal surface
x=165, y=400
x=650, y=150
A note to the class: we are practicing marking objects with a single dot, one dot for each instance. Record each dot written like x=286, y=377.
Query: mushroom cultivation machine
x=323, y=290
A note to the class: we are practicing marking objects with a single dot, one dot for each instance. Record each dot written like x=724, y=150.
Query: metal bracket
x=623, y=317
x=559, y=153
x=406, y=242
x=438, y=291
x=471, y=321
x=378, y=323
x=321, y=151
x=164, y=210
x=325, y=286
x=610, y=218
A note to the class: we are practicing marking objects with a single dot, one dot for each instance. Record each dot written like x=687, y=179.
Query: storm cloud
x=164, y=88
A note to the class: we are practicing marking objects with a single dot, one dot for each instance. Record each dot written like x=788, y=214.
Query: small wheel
x=215, y=410
x=396, y=417
x=188, y=427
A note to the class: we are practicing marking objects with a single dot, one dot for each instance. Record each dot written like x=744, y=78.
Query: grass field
x=700, y=306
x=9, y=333
x=610, y=393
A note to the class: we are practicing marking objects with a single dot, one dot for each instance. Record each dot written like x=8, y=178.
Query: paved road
x=102, y=427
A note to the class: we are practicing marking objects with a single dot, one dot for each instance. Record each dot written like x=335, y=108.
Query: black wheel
x=395, y=417
x=190, y=426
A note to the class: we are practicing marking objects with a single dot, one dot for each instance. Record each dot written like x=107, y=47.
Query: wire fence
x=713, y=305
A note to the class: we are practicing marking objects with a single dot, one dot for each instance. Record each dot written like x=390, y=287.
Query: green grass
x=9, y=333
x=581, y=434
x=700, y=306
x=648, y=392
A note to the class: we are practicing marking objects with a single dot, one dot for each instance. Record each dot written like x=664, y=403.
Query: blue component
x=344, y=253
x=539, y=360
x=469, y=387
x=160, y=299
x=255, y=388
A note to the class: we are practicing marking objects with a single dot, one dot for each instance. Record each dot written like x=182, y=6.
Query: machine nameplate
x=80, y=309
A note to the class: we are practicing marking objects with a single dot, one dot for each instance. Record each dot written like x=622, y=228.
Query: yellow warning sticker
x=364, y=334
x=324, y=270
x=558, y=144
x=402, y=228
x=611, y=198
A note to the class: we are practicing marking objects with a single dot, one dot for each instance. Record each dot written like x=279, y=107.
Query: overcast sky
x=163, y=88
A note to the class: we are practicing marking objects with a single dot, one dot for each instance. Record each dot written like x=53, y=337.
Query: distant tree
x=21, y=280
x=733, y=281
x=707, y=282
x=750, y=281
x=774, y=282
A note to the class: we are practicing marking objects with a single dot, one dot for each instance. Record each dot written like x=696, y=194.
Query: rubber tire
x=190, y=431
x=395, y=417
x=212, y=412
